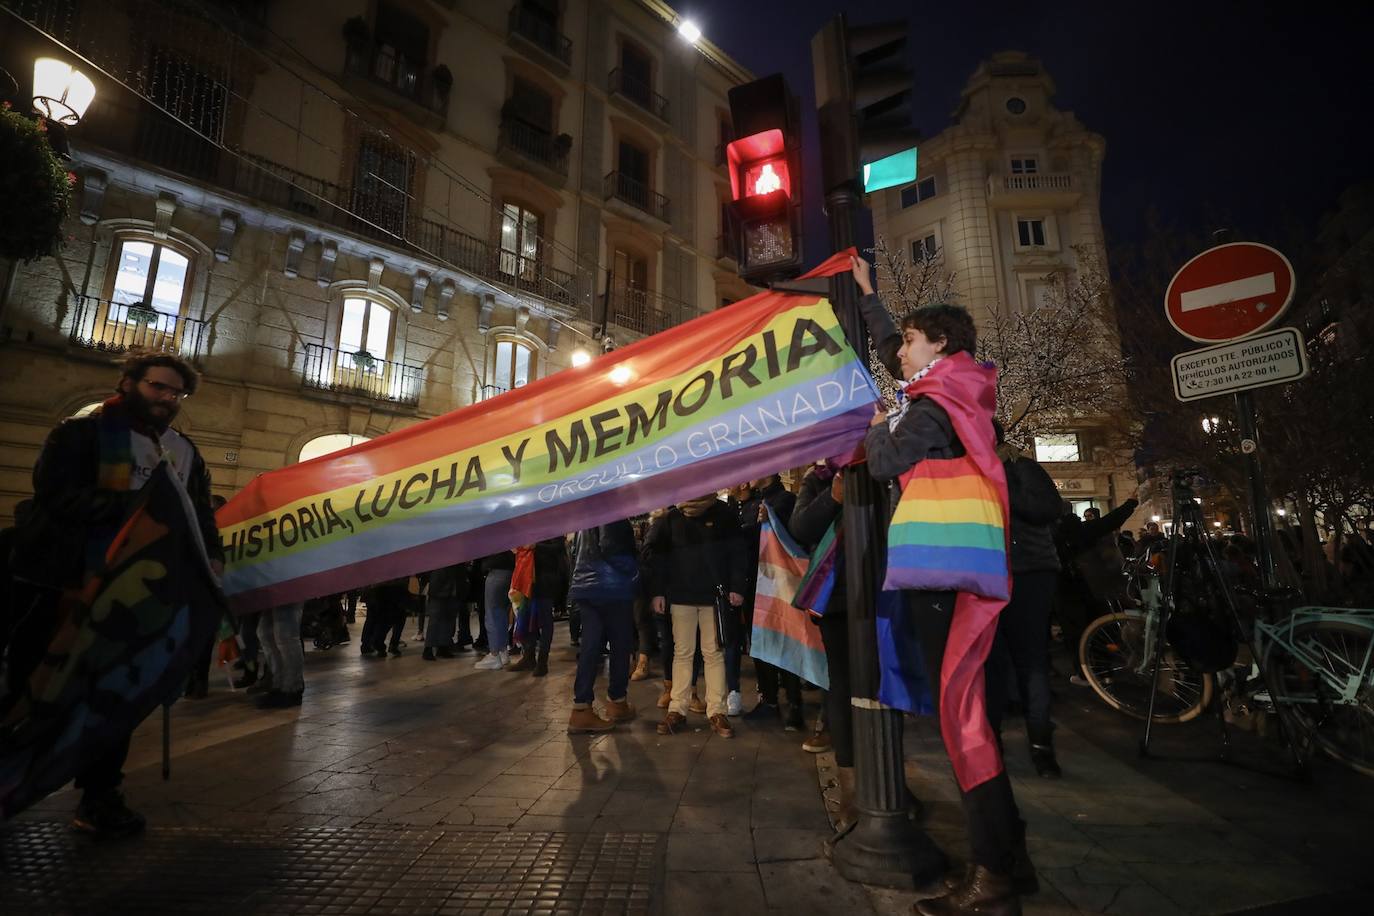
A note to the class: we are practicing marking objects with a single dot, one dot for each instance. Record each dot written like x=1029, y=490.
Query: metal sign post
x=1259, y=500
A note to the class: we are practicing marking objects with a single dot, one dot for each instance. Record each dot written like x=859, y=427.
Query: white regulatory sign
x=1271, y=358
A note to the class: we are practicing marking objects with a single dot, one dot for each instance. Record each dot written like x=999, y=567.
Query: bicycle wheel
x=1116, y=661
x=1307, y=694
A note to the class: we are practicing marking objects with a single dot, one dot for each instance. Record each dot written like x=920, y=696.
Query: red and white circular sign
x=1229, y=292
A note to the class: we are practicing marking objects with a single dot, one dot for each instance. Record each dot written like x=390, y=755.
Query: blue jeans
x=497, y=609
x=602, y=621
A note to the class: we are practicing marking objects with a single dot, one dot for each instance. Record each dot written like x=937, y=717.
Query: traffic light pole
x=884, y=847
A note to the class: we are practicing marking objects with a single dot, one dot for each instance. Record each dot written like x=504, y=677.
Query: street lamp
x=1281, y=511
x=61, y=93
x=689, y=31
x=1211, y=424
x=580, y=357
x=1155, y=519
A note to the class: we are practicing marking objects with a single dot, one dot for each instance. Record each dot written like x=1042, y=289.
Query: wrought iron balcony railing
x=645, y=312
x=361, y=375
x=542, y=33
x=637, y=91
x=113, y=327
x=637, y=194
x=535, y=144
x=386, y=66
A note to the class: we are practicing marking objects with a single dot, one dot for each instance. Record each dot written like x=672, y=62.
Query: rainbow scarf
x=954, y=519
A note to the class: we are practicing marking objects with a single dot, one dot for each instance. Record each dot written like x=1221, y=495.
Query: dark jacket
x=1035, y=506
x=450, y=582
x=69, y=504
x=925, y=430
x=503, y=560
x=781, y=501
x=811, y=518
x=1096, y=552
x=551, y=569
x=605, y=564
x=691, y=556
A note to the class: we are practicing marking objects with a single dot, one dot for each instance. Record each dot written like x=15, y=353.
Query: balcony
x=644, y=312
x=540, y=34
x=384, y=75
x=111, y=327
x=1039, y=189
x=622, y=85
x=388, y=219
x=487, y=392
x=537, y=147
x=360, y=375
x=632, y=191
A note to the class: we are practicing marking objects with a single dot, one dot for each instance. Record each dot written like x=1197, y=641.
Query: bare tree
x=1059, y=359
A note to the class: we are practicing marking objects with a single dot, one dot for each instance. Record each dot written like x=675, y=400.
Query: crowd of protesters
x=677, y=587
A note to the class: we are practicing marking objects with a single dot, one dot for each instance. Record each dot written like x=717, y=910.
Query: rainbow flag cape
x=764, y=384
x=783, y=635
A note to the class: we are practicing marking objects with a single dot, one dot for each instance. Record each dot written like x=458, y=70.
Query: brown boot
x=983, y=893
x=641, y=672
x=525, y=663
x=672, y=723
x=667, y=696
x=584, y=721
x=620, y=710
x=697, y=705
x=721, y=726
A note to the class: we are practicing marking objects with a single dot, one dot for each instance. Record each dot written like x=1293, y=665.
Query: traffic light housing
x=765, y=180
x=863, y=94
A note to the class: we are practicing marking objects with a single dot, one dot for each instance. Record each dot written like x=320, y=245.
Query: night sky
x=1253, y=114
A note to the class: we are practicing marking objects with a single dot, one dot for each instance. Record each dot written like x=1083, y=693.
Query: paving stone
x=728, y=852
x=809, y=889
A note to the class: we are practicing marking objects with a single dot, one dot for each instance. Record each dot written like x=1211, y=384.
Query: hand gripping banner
x=759, y=386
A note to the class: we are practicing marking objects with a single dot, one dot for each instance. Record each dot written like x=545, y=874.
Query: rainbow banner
x=762, y=385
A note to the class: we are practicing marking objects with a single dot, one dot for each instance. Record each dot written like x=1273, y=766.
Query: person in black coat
x=698, y=559
x=550, y=586
x=1023, y=628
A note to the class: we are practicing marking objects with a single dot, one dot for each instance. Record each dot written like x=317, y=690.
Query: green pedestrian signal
x=891, y=171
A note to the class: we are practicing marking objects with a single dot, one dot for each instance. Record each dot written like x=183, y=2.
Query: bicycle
x=1311, y=667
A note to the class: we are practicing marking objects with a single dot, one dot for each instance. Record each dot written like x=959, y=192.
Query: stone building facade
x=1005, y=196
x=354, y=216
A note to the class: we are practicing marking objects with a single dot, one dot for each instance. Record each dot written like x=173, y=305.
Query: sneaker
x=490, y=662
x=586, y=721
x=1078, y=680
x=107, y=817
x=721, y=726
x=620, y=710
x=795, y=721
x=818, y=743
x=428, y=654
x=697, y=705
x=672, y=723
x=733, y=704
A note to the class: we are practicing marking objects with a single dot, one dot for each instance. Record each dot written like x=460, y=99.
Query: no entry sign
x=1230, y=291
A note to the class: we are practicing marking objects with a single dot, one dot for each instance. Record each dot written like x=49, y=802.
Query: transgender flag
x=783, y=635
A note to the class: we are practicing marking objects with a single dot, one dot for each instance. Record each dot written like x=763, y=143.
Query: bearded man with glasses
x=86, y=484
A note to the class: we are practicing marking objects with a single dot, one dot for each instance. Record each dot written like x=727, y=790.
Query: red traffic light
x=758, y=165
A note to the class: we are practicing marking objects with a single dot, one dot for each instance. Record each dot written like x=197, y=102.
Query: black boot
x=1042, y=753
x=106, y=816
x=541, y=665
x=981, y=893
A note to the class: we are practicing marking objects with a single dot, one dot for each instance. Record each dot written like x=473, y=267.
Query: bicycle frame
x=1346, y=684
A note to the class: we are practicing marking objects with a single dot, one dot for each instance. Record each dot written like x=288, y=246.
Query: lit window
x=1082, y=505
x=519, y=241
x=514, y=366
x=323, y=445
x=1030, y=233
x=151, y=276
x=1025, y=165
x=364, y=336
x=1057, y=447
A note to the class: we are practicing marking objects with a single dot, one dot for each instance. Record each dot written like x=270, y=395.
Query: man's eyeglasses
x=165, y=391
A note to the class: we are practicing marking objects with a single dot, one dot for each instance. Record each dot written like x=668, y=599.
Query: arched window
x=323, y=445
x=149, y=276
x=515, y=364
x=365, y=332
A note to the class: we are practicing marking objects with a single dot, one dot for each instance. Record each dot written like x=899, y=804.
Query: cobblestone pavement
x=415, y=787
